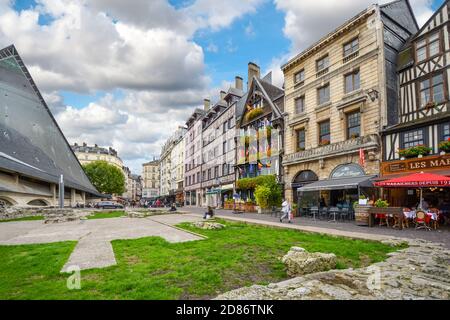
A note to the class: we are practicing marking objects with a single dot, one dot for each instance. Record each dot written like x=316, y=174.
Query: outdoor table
x=333, y=211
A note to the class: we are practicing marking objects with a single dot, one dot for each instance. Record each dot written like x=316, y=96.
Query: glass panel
x=421, y=54
x=425, y=84
x=299, y=105
x=445, y=131
x=348, y=83
x=348, y=170
x=300, y=140
x=413, y=138
x=438, y=93
x=324, y=94
x=434, y=48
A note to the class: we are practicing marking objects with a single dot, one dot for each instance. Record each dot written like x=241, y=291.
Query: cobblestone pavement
x=442, y=235
x=419, y=272
x=94, y=237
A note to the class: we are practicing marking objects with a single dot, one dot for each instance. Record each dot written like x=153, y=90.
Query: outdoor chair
x=344, y=214
x=421, y=221
x=323, y=213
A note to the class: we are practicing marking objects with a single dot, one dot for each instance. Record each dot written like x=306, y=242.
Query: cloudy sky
x=127, y=73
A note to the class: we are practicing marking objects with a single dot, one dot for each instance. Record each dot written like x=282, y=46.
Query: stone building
x=34, y=152
x=87, y=154
x=150, y=179
x=337, y=97
x=422, y=117
x=260, y=128
x=171, y=165
x=135, y=187
x=193, y=140
x=218, y=148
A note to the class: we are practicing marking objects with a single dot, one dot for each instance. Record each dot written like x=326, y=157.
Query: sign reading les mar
x=418, y=164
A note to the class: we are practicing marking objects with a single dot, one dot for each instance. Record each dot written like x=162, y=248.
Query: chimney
x=84, y=144
x=238, y=83
x=206, y=103
x=253, y=71
x=222, y=94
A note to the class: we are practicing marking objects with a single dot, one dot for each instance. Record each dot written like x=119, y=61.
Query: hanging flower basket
x=253, y=114
x=430, y=105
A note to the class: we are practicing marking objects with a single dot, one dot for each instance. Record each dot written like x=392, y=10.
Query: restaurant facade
x=337, y=92
x=419, y=140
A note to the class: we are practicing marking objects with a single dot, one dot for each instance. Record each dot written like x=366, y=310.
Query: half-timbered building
x=417, y=141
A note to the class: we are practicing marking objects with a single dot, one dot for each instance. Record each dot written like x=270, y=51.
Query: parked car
x=108, y=205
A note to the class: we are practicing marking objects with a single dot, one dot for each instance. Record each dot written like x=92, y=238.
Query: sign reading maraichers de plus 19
x=416, y=164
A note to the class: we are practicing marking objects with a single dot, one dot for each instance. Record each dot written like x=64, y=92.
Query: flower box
x=445, y=146
x=414, y=152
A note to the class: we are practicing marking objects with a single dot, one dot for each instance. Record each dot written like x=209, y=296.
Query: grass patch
x=152, y=268
x=106, y=215
x=31, y=218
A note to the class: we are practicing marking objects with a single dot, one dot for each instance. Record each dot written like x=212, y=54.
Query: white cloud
x=308, y=21
x=249, y=30
x=145, y=49
x=212, y=48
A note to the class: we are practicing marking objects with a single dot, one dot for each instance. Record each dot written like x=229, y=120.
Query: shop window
x=432, y=90
x=413, y=138
x=299, y=105
x=352, y=81
x=324, y=133
x=353, y=125
x=323, y=94
x=301, y=140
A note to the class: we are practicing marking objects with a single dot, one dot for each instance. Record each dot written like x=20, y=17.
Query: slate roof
x=31, y=142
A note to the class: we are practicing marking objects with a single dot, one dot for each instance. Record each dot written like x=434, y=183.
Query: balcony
x=335, y=149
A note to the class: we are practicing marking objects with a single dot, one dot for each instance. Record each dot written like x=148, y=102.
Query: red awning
x=416, y=180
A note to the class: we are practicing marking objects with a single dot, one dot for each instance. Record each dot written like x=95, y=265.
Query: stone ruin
x=299, y=262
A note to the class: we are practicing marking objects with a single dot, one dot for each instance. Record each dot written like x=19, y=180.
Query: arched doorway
x=301, y=179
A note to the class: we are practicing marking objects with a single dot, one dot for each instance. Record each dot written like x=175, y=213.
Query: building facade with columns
x=150, y=179
x=337, y=97
x=34, y=152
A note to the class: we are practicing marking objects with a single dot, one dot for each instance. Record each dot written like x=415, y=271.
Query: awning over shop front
x=227, y=187
x=338, y=184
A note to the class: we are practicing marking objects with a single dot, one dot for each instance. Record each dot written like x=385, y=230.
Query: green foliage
x=252, y=183
x=253, y=114
x=262, y=195
x=30, y=218
x=105, y=177
x=415, y=151
x=381, y=203
x=106, y=215
x=149, y=268
x=445, y=145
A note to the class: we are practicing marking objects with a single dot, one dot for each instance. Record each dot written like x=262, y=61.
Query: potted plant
x=249, y=206
x=253, y=114
x=295, y=209
x=354, y=135
x=444, y=146
x=414, y=152
x=430, y=105
x=324, y=142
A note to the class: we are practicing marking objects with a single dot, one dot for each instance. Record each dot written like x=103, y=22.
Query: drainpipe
x=61, y=192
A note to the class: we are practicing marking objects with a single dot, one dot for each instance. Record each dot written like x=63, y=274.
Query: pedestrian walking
x=286, y=209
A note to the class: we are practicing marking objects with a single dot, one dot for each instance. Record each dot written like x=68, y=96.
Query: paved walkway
x=346, y=229
x=94, y=237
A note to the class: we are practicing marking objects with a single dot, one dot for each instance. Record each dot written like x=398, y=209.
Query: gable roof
x=32, y=143
x=430, y=20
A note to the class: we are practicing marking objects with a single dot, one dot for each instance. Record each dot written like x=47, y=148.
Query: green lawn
x=151, y=268
x=105, y=215
x=24, y=219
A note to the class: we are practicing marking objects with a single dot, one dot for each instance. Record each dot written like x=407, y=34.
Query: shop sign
x=417, y=164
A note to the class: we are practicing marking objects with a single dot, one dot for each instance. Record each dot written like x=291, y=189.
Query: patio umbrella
x=416, y=180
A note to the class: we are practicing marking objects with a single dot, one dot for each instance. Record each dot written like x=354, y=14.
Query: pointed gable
x=440, y=17
x=265, y=96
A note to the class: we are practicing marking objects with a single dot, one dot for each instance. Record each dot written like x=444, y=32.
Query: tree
x=268, y=192
x=105, y=177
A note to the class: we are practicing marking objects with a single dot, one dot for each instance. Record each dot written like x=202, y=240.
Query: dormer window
x=428, y=47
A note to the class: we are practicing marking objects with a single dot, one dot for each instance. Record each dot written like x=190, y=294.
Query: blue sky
x=126, y=74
